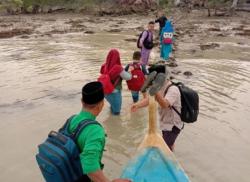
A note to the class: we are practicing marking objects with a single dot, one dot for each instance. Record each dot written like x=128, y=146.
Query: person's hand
x=134, y=108
x=121, y=180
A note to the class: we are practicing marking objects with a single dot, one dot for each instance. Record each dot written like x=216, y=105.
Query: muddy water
x=41, y=78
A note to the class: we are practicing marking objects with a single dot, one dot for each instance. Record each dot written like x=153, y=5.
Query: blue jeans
x=115, y=101
x=135, y=96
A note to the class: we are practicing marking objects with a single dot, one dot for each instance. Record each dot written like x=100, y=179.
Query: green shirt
x=91, y=142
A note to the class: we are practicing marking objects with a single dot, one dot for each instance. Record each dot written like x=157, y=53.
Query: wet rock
x=91, y=20
x=176, y=72
x=214, y=29
x=131, y=40
x=24, y=37
x=89, y=32
x=114, y=30
x=50, y=19
x=15, y=32
x=245, y=32
x=209, y=46
x=114, y=26
x=172, y=59
x=193, y=51
x=56, y=32
x=188, y=73
x=121, y=22
x=239, y=28
x=74, y=22
x=240, y=43
x=172, y=64
x=6, y=25
x=221, y=35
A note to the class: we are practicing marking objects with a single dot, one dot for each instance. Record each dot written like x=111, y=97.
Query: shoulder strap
x=81, y=126
x=66, y=125
x=176, y=84
x=147, y=35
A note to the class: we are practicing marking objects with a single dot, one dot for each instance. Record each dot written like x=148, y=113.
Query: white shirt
x=168, y=117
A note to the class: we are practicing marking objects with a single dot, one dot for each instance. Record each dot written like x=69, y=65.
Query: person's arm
x=157, y=20
x=125, y=75
x=161, y=100
x=144, y=70
x=140, y=104
x=169, y=99
x=98, y=176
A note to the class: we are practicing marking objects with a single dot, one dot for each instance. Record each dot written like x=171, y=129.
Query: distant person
x=115, y=72
x=145, y=43
x=170, y=122
x=161, y=20
x=166, y=41
x=138, y=73
x=75, y=153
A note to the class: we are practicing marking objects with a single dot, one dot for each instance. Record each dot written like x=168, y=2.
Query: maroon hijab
x=112, y=66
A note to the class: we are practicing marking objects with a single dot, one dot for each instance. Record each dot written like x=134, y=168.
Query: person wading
x=170, y=122
x=145, y=43
x=91, y=140
x=113, y=68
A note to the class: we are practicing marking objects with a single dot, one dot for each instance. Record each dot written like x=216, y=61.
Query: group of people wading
x=74, y=153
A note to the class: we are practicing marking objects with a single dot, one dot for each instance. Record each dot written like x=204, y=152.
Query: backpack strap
x=173, y=84
x=147, y=35
x=64, y=128
x=81, y=126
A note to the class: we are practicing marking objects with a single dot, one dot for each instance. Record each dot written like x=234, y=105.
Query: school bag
x=189, y=103
x=108, y=86
x=137, y=79
x=58, y=156
x=167, y=38
x=147, y=44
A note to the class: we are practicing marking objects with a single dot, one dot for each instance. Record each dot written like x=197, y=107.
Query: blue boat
x=152, y=165
x=154, y=161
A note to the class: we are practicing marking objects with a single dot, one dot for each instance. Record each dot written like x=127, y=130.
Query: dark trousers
x=170, y=136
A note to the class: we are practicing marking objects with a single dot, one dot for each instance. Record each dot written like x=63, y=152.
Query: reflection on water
x=40, y=82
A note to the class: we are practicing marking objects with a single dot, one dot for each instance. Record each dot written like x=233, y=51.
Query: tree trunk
x=234, y=5
x=208, y=12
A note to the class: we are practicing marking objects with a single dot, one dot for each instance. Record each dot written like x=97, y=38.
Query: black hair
x=137, y=55
x=151, y=23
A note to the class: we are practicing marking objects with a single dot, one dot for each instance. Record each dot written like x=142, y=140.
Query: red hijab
x=112, y=66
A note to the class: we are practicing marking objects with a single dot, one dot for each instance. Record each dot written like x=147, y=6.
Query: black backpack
x=147, y=44
x=189, y=103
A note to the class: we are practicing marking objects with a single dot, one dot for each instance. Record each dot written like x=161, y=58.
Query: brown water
x=40, y=82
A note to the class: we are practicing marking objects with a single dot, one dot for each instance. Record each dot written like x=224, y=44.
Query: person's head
x=160, y=13
x=151, y=26
x=137, y=56
x=113, y=58
x=93, y=97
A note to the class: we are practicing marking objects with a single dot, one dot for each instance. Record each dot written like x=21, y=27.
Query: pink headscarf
x=112, y=66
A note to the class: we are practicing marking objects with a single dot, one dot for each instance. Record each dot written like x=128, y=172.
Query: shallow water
x=40, y=84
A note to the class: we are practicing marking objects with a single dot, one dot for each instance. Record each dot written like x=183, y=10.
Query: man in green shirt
x=91, y=140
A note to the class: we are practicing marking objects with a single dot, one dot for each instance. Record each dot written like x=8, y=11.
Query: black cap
x=92, y=93
x=157, y=68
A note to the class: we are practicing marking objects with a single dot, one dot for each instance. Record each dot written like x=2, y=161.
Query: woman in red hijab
x=114, y=69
